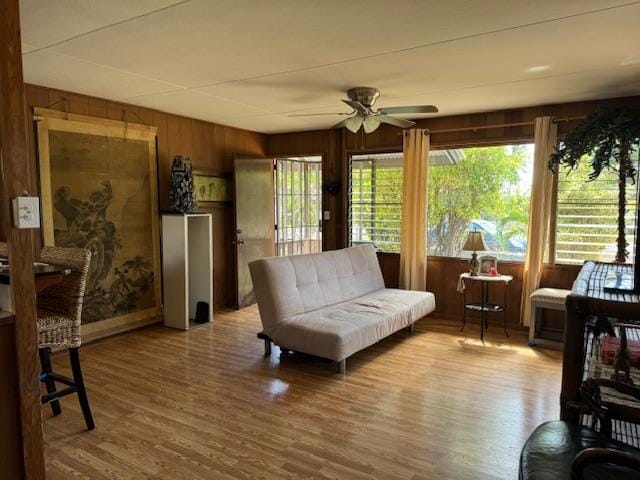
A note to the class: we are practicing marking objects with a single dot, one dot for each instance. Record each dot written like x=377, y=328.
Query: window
x=376, y=200
x=486, y=189
x=298, y=191
x=587, y=216
x=480, y=188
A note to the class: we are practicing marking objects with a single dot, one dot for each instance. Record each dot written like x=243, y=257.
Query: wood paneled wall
x=213, y=147
x=210, y=146
x=336, y=146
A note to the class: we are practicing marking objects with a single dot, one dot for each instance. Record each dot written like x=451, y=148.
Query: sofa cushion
x=290, y=286
x=338, y=331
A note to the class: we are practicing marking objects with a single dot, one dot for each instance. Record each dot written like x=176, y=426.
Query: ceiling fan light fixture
x=354, y=123
x=361, y=101
x=370, y=123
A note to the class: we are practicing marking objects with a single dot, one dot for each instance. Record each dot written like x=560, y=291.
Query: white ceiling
x=250, y=63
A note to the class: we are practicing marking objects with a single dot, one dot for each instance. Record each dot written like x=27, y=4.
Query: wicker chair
x=59, y=312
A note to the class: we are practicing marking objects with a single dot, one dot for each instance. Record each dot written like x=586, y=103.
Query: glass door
x=298, y=205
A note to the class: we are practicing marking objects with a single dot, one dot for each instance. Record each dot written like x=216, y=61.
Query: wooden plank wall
x=213, y=147
x=210, y=146
x=442, y=272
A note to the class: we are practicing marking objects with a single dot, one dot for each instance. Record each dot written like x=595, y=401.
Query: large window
x=482, y=188
x=487, y=190
x=587, y=216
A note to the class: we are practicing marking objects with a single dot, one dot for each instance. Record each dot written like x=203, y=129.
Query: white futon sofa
x=331, y=304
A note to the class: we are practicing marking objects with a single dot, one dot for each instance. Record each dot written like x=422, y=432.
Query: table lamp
x=474, y=242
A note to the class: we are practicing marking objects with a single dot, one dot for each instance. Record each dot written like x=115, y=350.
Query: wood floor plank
x=206, y=404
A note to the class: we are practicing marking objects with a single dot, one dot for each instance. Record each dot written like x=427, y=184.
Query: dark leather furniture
x=552, y=448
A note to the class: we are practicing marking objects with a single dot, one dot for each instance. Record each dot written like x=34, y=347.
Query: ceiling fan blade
x=357, y=106
x=398, y=122
x=409, y=109
x=371, y=123
x=318, y=114
x=352, y=124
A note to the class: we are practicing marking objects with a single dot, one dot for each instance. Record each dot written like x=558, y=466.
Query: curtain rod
x=500, y=125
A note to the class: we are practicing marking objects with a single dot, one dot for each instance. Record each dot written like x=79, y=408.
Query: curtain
x=539, y=212
x=413, y=252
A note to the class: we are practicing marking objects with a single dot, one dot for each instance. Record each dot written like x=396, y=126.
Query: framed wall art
x=211, y=187
x=98, y=183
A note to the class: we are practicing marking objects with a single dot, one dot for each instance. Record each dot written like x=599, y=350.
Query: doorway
x=278, y=211
x=298, y=205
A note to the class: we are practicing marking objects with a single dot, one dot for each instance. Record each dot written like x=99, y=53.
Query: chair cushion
x=550, y=449
x=551, y=295
x=338, y=331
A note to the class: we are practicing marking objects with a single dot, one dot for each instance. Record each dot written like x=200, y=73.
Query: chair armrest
x=592, y=456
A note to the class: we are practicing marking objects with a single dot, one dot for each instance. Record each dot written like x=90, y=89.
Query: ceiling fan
x=362, y=99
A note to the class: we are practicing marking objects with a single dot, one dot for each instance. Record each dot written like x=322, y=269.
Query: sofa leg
x=267, y=343
x=411, y=328
x=341, y=366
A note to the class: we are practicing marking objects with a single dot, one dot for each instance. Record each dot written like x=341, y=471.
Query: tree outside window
x=487, y=190
x=483, y=188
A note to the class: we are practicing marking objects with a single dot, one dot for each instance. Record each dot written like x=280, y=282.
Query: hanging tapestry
x=98, y=183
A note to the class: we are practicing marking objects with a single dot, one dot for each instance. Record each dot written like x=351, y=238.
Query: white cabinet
x=187, y=267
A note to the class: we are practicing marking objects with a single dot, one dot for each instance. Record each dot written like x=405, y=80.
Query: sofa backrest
x=287, y=286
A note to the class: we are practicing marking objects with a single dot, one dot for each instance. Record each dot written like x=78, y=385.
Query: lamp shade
x=475, y=242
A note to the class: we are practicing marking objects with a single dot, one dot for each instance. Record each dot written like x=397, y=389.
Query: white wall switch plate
x=326, y=215
x=26, y=212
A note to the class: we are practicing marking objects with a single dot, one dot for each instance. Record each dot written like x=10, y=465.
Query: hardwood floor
x=207, y=405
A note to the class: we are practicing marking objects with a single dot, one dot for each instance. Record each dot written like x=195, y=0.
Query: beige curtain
x=539, y=212
x=413, y=252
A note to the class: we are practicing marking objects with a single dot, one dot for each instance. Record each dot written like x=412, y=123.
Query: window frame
x=349, y=168
x=552, y=234
x=350, y=153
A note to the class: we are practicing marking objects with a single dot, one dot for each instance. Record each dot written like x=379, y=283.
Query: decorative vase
x=181, y=193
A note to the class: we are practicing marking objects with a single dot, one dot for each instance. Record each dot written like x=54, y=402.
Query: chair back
x=65, y=298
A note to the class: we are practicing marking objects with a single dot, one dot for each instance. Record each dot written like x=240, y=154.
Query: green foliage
x=483, y=185
x=606, y=138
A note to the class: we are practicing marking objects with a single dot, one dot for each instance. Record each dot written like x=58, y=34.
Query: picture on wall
x=211, y=187
x=98, y=182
